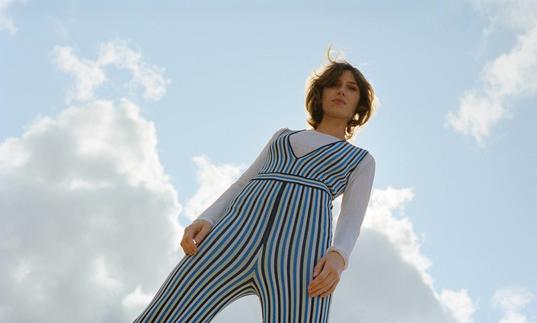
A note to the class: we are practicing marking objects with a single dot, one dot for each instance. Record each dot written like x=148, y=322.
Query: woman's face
x=341, y=99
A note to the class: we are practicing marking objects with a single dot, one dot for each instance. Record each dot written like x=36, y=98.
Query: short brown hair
x=328, y=76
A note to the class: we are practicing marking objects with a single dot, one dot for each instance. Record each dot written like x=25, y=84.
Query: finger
x=190, y=252
x=322, y=286
x=319, y=267
x=188, y=245
x=193, y=249
x=318, y=288
x=329, y=291
x=188, y=232
x=321, y=275
x=201, y=234
x=318, y=281
x=188, y=237
x=318, y=291
x=324, y=279
x=324, y=291
x=314, y=284
x=198, y=239
x=186, y=249
x=186, y=241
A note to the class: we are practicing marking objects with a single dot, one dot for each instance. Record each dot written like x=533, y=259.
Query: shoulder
x=277, y=133
x=368, y=162
x=367, y=156
x=366, y=165
x=284, y=129
x=281, y=131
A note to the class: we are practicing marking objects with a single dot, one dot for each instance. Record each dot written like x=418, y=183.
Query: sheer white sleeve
x=353, y=208
x=216, y=210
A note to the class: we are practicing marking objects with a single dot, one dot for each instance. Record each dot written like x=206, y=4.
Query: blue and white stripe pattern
x=267, y=243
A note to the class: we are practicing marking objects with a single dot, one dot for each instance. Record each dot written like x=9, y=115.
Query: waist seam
x=285, y=177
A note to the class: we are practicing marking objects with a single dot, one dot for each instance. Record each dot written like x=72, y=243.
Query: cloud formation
x=511, y=74
x=90, y=74
x=6, y=22
x=512, y=301
x=87, y=213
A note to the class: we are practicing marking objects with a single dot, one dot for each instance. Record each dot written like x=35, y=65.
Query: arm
x=216, y=210
x=353, y=208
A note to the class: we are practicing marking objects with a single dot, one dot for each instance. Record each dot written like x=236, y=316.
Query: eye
x=353, y=88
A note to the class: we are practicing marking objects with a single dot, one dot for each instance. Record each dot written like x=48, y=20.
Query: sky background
x=121, y=121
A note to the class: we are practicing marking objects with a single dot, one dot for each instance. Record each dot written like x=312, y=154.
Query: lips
x=338, y=101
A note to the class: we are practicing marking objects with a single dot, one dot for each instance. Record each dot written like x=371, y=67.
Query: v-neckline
x=288, y=140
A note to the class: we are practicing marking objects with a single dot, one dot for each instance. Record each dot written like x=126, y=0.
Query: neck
x=335, y=132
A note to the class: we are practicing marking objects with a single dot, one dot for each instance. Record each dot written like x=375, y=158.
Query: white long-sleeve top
x=354, y=201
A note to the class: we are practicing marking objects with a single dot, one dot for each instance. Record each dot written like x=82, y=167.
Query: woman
x=270, y=233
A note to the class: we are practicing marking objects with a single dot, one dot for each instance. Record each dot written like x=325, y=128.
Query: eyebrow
x=351, y=82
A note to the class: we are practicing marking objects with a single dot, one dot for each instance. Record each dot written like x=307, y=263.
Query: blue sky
x=120, y=122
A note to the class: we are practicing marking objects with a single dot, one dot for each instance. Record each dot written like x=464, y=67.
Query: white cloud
x=6, y=23
x=62, y=25
x=459, y=303
x=213, y=181
x=476, y=115
x=387, y=279
x=90, y=74
x=512, y=301
x=148, y=76
x=515, y=15
x=509, y=75
x=88, y=216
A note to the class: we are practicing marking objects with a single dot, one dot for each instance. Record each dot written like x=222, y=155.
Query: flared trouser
x=267, y=243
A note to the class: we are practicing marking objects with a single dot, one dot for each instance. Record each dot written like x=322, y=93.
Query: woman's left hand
x=326, y=274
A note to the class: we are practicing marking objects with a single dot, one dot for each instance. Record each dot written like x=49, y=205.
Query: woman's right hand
x=194, y=235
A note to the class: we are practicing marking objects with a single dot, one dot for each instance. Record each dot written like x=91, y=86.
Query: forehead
x=347, y=76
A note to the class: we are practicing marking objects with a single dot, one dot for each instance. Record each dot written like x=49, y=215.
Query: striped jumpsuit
x=268, y=241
